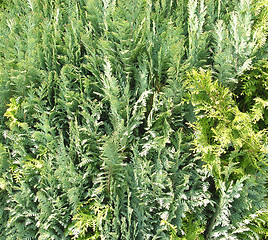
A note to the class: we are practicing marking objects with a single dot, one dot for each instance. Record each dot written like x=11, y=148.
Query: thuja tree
x=107, y=132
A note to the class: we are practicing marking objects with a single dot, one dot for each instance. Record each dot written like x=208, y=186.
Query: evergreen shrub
x=142, y=119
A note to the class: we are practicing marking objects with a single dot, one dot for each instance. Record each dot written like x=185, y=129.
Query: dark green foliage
x=254, y=85
x=107, y=132
x=2, y=4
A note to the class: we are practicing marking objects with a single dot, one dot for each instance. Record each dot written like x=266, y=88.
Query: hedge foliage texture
x=133, y=119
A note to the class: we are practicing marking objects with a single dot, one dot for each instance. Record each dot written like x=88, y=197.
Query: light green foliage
x=224, y=134
x=87, y=221
x=107, y=132
x=231, y=146
x=194, y=229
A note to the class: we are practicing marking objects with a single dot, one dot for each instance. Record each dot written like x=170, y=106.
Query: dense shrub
x=133, y=119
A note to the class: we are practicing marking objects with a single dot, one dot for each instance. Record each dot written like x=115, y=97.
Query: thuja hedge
x=130, y=120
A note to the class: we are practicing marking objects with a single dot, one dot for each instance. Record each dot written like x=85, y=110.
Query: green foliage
x=235, y=42
x=260, y=23
x=2, y=3
x=90, y=215
x=198, y=43
x=224, y=134
x=226, y=139
x=252, y=87
x=193, y=228
x=107, y=132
